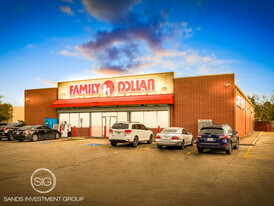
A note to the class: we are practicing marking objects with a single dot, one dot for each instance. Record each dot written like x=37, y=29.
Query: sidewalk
x=250, y=139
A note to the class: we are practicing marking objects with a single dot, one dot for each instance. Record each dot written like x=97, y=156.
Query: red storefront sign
x=108, y=87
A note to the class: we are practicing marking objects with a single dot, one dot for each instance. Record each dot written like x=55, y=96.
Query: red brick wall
x=261, y=126
x=38, y=105
x=244, y=117
x=203, y=97
x=85, y=132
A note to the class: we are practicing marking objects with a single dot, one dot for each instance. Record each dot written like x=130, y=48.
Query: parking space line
x=260, y=157
x=191, y=151
x=143, y=149
x=247, y=151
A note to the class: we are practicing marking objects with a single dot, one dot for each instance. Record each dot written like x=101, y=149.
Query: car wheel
x=0, y=138
x=191, y=144
x=237, y=144
x=159, y=146
x=228, y=151
x=135, y=141
x=150, y=139
x=34, y=138
x=182, y=145
x=21, y=140
x=200, y=150
x=10, y=137
x=57, y=135
x=113, y=143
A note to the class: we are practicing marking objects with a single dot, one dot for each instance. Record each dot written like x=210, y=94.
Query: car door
x=135, y=130
x=229, y=132
x=146, y=132
x=139, y=132
x=186, y=136
x=47, y=132
x=39, y=131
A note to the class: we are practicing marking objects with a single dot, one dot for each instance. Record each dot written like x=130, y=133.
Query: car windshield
x=211, y=131
x=120, y=126
x=170, y=131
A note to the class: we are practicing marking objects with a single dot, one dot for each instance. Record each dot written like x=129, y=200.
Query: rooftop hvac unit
x=204, y=123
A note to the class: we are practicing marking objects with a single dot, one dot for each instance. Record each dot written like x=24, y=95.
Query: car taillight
x=110, y=131
x=175, y=137
x=26, y=132
x=128, y=131
x=223, y=136
x=199, y=136
x=158, y=137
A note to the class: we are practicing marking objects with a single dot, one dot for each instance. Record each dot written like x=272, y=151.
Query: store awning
x=108, y=101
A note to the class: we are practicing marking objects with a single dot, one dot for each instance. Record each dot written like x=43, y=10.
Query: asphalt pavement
x=92, y=172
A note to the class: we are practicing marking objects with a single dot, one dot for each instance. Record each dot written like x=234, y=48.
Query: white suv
x=132, y=133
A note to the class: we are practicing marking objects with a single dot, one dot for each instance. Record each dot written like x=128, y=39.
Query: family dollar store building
x=155, y=100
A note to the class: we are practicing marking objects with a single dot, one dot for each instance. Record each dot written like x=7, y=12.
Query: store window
x=122, y=117
x=64, y=118
x=137, y=117
x=163, y=119
x=96, y=122
x=74, y=119
x=150, y=119
x=85, y=119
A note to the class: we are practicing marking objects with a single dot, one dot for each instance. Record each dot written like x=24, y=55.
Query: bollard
x=159, y=129
x=81, y=131
x=74, y=131
x=105, y=132
x=60, y=130
x=267, y=127
x=89, y=132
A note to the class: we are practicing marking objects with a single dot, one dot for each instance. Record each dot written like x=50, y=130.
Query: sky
x=48, y=41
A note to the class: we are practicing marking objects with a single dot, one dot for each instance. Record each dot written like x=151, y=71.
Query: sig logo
x=108, y=87
x=43, y=180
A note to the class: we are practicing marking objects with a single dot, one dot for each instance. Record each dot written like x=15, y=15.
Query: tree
x=5, y=111
x=264, y=109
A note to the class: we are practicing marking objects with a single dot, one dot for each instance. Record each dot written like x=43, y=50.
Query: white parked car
x=132, y=133
x=174, y=136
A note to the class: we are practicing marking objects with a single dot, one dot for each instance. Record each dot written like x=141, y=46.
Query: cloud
x=67, y=10
x=204, y=70
x=69, y=1
x=30, y=46
x=124, y=49
x=134, y=41
x=193, y=63
x=50, y=83
x=67, y=53
x=195, y=58
x=110, y=10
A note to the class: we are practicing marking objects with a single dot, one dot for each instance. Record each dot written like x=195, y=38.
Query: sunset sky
x=48, y=41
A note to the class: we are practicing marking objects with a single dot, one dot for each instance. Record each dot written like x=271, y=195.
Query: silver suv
x=132, y=133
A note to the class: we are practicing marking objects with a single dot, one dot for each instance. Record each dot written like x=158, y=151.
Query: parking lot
x=145, y=175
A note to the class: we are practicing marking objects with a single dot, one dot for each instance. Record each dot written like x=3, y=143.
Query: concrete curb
x=253, y=142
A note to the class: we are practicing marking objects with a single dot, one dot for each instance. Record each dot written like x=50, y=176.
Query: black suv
x=6, y=131
x=217, y=137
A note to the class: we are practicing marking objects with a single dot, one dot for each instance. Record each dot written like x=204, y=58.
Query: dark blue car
x=217, y=137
